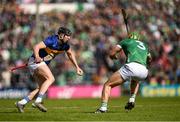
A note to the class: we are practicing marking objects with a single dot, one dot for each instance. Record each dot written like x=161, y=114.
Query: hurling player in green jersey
x=134, y=70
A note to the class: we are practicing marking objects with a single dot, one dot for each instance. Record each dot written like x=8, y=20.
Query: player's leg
x=134, y=86
x=47, y=78
x=40, y=81
x=136, y=72
x=134, y=90
x=115, y=80
x=21, y=104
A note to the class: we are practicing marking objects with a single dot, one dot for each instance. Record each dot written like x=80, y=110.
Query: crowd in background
x=94, y=31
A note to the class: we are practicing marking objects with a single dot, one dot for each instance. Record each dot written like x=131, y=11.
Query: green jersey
x=135, y=51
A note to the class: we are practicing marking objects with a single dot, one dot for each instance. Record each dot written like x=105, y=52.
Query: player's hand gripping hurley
x=38, y=60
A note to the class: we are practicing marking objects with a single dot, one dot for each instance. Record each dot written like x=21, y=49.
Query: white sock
x=103, y=106
x=39, y=98
x=132, y=99
x=24, y=101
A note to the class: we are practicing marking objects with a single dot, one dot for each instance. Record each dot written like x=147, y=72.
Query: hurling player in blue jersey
x=44, y=52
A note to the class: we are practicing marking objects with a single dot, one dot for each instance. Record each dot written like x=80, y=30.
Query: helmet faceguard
x=134, y=35
x=63, y=30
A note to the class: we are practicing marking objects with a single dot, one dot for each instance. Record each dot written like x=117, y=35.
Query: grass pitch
x=153, y=109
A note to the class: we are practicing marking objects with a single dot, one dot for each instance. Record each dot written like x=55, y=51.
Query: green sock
x=133, y=96
x=104, y=104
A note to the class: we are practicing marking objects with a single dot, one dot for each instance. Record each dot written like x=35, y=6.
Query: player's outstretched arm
x=113, y=51
x=71, y=56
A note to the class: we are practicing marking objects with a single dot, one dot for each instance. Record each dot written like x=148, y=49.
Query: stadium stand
x=93, y=32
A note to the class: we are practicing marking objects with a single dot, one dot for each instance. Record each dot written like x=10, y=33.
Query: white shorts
x=33, y=66
x=133, y=71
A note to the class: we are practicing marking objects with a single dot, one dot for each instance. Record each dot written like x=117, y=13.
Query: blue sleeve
x=48, y=42
x=67, y=47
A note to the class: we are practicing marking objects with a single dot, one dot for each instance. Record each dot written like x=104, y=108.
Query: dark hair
x=63, y=30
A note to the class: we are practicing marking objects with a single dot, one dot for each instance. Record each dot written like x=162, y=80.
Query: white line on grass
x=76, y=107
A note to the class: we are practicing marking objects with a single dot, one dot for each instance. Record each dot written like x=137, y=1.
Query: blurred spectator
x=93, y=33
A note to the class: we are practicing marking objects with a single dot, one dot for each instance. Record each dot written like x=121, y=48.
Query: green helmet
x=134, y=35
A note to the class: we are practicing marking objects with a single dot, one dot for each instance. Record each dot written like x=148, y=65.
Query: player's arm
x=72, y=58
x=36, y=49
x=114, y=50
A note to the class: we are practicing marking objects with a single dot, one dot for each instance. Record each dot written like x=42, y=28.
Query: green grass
x=153, y=109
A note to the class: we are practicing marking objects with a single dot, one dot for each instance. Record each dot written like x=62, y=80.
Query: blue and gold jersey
x=53, y=48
